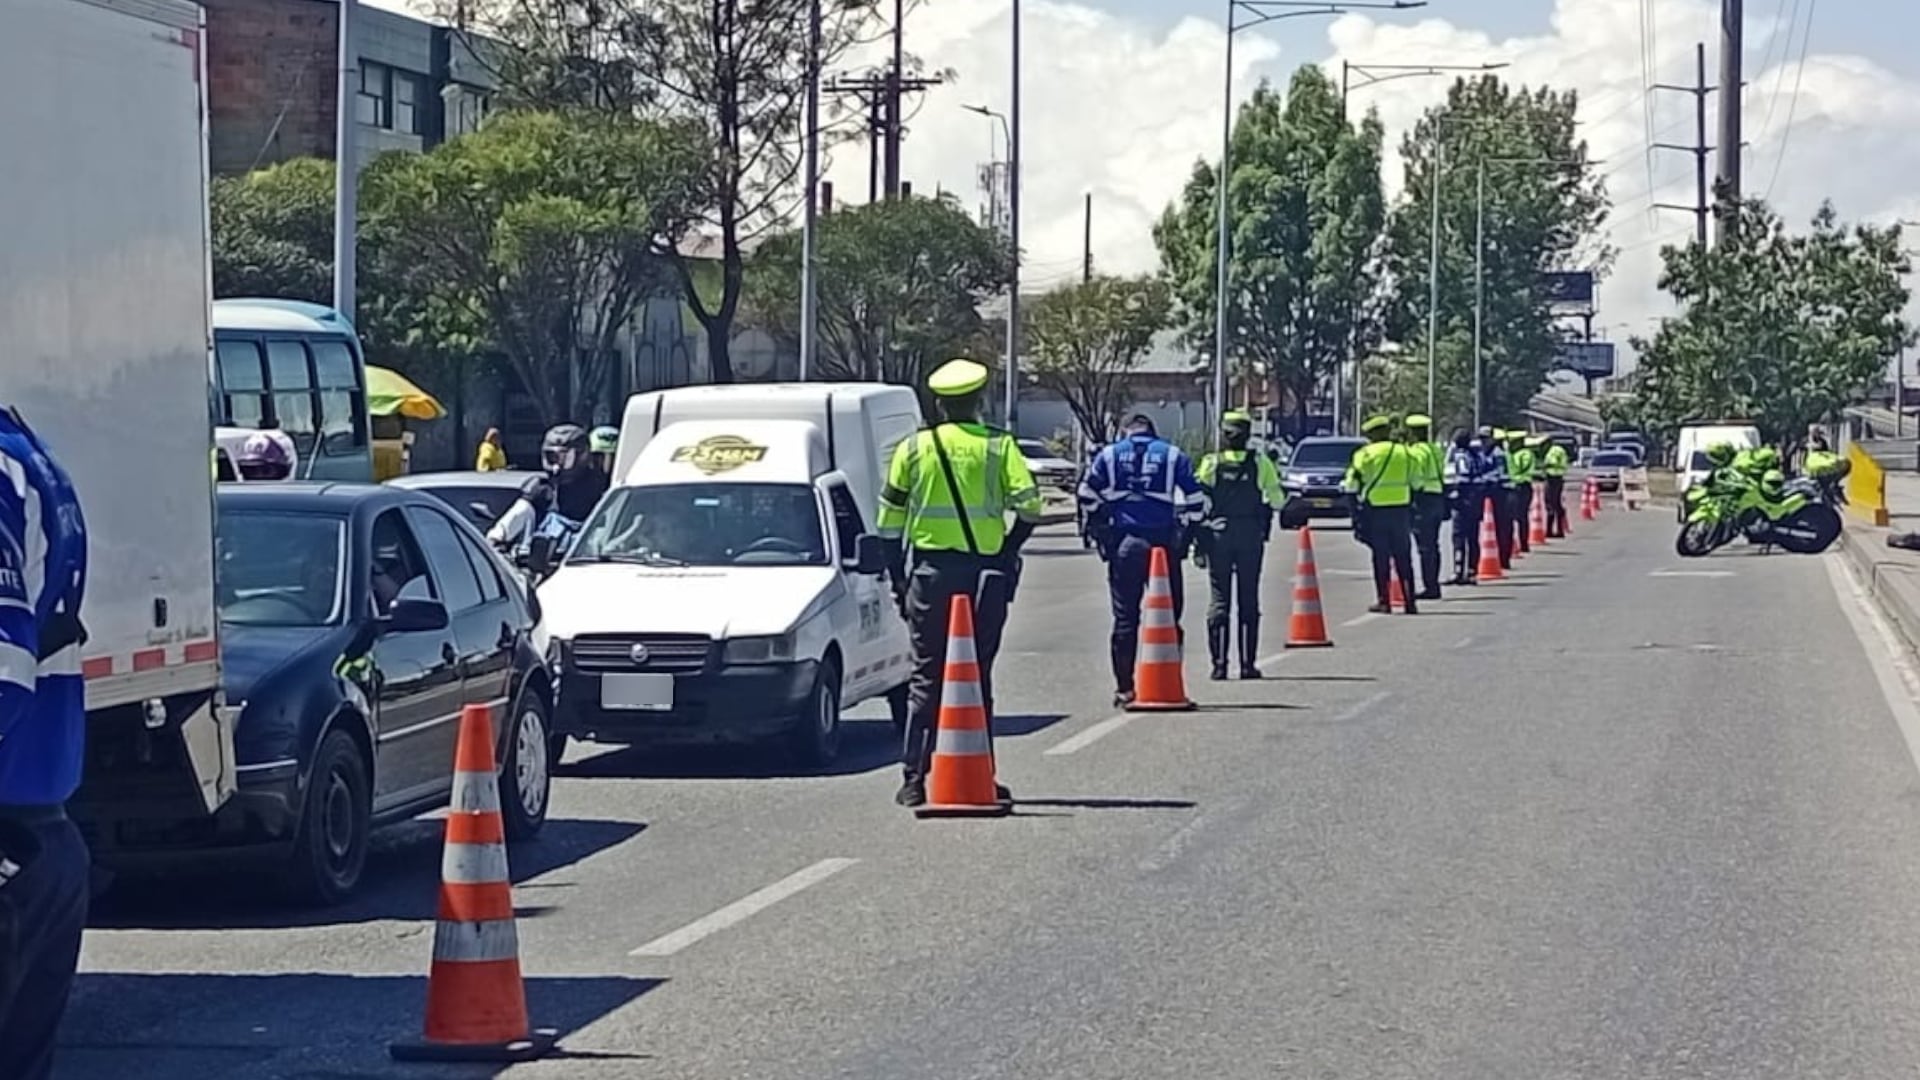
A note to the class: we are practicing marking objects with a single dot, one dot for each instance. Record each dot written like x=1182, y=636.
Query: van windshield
x=705, y=525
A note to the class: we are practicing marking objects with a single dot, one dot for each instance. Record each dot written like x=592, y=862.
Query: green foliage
x=899, y=288
x=738, y=71
x=1779, y=328
x=1305, y=214
x=1083, y=342
x=1545, y=203
x=537, y=236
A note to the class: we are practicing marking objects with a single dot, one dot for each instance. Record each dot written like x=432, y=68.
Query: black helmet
x=563, y=447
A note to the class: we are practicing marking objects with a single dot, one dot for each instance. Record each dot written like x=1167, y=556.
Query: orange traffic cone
x=476, y=1002
x=1307, y=626
x=1537, y=518
x=960, y=781
x=1589, y=499
x=1489, y=568
x=1396, y=596
x=1159, y=675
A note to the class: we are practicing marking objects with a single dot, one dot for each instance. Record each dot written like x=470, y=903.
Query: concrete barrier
x=1866, y=486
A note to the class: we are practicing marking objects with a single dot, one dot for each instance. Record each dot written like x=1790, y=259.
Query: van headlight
x=761, y=650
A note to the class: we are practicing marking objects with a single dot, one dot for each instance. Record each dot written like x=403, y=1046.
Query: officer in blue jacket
x=43, y=861
x=1139, y=494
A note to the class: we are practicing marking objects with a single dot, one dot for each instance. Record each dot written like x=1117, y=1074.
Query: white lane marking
x=1892, y=667
x=1335, y=571
x=1090, y=736
x=1463, y=643
x=1691, y=573
x=1358, y=619
x=1174, y=846
x=742, y=909
x=1352, y=712
x=1274, y=659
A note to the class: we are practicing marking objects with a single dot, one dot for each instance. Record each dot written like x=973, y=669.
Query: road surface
x=1623, y=816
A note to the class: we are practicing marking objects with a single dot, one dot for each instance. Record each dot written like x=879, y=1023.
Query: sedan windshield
x=1323, y=455
x=1612, y=459
x=280, y=569
x=705, y=525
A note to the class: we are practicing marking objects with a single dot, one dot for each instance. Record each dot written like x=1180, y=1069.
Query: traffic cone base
x=1159, y=672
x=476, y=999
x=1307, y=626
x=960, y=780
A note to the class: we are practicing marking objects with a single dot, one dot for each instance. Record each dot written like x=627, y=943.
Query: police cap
x=958, y=377
x=1376, y=423
x=1237, y=419
x=1419, y=421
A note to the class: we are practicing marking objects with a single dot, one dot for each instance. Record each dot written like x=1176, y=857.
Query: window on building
x=373, y=106
x=407, y=92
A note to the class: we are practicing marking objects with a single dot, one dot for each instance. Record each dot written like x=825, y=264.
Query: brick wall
x=270, y=81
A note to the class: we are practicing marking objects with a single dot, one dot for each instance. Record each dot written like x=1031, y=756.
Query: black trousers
x=1429, y=513
x=938, y=577
x=1522, y=508
x=1556, y=506
x=43, y=909
x=1128, y=565
x=1390, y=535
x=1502, y=502
x=1468, y=506
x=1233, y=582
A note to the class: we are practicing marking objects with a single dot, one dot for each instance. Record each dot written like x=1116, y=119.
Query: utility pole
x=896, y=115
x=1479, y=277
x=1731, y=14
x=881, y=95
x=1702, y=207
x=1086, y=243
x=1013, y=232
x=809, y=285
x=346, y=166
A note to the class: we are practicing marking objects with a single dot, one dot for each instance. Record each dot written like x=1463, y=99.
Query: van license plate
x=1320, y=504
x=651, y=693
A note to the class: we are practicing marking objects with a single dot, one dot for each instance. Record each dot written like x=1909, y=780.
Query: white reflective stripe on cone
x=475, y=942
x=1156, y=616
x=474, y=864
x=960, y=650
x=1151, y=653
x=475, y=792
x=970, y=741
x=1306, y=607
x=963, y=693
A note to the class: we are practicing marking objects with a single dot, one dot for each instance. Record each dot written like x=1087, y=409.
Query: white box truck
x=104, y=345
x=732, y=583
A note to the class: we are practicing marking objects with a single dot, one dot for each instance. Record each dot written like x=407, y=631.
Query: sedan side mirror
x=481, y=512
x=869, y=554
x=415, y=616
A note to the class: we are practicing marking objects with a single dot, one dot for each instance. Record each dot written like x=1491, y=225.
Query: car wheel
x=526, y=769
x=330, y=845
x=816, y=735
x=899, y=700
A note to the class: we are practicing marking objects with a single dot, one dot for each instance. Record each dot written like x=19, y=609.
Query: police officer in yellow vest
x=949, y=490
x=1522, y=467
x=1429, y=500
x=1242, y=490
x=1553, y=465
x=1380, y=480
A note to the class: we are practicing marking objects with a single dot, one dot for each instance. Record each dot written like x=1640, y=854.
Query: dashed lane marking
x=1691, y=573
x=1358, y=619
x=743, y=909
x=1090, y=736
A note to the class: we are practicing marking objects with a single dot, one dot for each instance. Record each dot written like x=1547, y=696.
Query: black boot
x=1217, y=650
x=1249, y=650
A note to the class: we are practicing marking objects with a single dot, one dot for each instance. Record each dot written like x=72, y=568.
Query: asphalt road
x=1622, y=816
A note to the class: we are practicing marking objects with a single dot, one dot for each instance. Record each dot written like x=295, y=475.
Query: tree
x=900, y=287
x=1779, y=328
x=538, y=235
x=1305, y=212
x=1084, y=341
x=737, y=69
x=1545, y=203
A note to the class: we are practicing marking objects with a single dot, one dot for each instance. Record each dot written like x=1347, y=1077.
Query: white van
x=1690, y=450
x=731, y=585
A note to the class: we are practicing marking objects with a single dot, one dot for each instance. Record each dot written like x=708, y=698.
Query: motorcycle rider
x=577, y=484
x=601, y=444
x=516, y=528
x=266, y=455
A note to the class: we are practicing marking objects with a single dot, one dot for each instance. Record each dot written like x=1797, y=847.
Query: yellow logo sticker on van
x=720, y=453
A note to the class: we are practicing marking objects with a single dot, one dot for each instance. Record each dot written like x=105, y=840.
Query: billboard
x=1594, y=359
x=1567, y=286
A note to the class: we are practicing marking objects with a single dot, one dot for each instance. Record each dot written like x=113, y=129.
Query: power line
x=1786, y=50
x=1793, y=103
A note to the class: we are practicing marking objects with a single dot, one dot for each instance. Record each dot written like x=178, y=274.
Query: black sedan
x=356, y=622
x=481, y=496
x=1313, y=475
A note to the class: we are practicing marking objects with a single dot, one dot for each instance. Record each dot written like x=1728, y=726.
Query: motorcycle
x=540, y=556
x=1802, y=520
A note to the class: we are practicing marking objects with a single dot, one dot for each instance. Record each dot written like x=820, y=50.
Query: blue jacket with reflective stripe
x=43, y=566
x=1146, y=484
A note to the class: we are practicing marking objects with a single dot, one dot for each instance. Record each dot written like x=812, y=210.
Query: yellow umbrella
x=389, y=393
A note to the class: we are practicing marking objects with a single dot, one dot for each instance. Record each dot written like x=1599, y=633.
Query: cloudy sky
x=1121, y=96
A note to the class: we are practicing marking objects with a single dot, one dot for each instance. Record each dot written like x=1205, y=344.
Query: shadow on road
x=219, y=1026
x=1108, y=804
x=1321, y=678
x=402, y=881
x=865, y=745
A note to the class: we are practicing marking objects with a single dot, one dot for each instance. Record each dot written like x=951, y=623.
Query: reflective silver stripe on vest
x=965, y=741
x=475, y=942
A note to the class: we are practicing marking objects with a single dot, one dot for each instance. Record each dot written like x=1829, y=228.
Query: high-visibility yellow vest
x=1429, y=469
x=992, y=476
x=1381, y=474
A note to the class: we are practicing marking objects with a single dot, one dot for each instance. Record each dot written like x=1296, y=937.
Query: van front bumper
x=732, y=703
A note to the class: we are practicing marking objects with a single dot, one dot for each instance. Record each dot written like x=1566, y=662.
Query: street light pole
x=1433, y=281
x=1013, y=230
x=809, y=223
x=1263, y=11
x=1479, y=277
x=346, y=171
